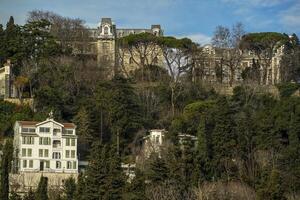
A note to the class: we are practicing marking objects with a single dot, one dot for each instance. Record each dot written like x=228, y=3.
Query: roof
x=34, y=123
x=106, y=21
x=155, y=26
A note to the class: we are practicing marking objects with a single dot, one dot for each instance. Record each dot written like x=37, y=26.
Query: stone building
x=7, y=89
x=209, y=61
x=47, y=148
x=103, y=44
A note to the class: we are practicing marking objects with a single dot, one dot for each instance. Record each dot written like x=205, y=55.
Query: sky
x=196, y=19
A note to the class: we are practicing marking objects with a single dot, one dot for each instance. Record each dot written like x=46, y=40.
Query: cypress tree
x=5, y=169
x=115, y=180
x=80, y=188
x=97, y=171
x=42, y=190
x=70, y=189
x=158, y=172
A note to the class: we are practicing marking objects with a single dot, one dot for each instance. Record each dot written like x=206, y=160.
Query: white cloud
x=198, y=38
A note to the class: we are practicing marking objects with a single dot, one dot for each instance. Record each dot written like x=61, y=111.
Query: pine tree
x=136, y=189
x=70, y=189
x=42, y=190
x=82, y=120
x=5, y=169
x=29, y=195
x=158, y=172
x=115, y=180
x=97, y=172
x=80, y=193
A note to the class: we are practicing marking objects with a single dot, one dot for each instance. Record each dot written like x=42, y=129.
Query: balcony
x=56, y=144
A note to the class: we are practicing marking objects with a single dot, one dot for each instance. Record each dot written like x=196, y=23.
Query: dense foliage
x=249, y=141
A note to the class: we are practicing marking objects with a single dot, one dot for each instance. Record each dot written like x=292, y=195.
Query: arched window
x=58, y=164
x=106, y=29
x=69, y=165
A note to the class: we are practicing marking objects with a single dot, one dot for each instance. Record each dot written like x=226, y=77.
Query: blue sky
x=196, y=19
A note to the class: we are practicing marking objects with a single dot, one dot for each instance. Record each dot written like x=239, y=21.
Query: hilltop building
x=47, y=148
x=7, y=89
x=104, y=46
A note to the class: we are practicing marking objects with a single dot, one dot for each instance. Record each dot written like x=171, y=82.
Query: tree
x=5, y=169
x=69, y=189
x=158, y=171
x=177, y=55
x=42, y=189
x=97, y=172
x=227, y=43
x=141, y=49
x=20, y=83
x=122, y=108
x=80, y=193
x=264, y=45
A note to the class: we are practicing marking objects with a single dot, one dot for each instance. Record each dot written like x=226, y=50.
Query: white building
x=153, y=142
x=47, y=146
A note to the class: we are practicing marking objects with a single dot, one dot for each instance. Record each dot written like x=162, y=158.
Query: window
x=56, y=155
x=69, y=165
x=157, y=140
x=23, y=152
x=67, y=154
x=46, y=153
x=106, y=29
x=73, y=142
x=47, y=164
x=68, y=131
x=44, y=141
x=44, y=130
x=24, y=163
x=28, y=130
x=68, y=142
x=73, y=154
x=30, y=163
x=27, y=140
x=29, y=152
x=58, y=164
x=56, y=131
x=40, y=152
x=74, y=164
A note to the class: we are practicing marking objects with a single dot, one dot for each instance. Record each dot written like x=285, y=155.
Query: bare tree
x=227, y=42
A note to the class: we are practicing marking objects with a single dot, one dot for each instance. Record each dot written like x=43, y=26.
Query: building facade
x=104, y=46
x=47, y=148
x=7, y=89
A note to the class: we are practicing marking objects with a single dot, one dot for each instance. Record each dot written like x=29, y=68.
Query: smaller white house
x=153, y=142
x=47, y=148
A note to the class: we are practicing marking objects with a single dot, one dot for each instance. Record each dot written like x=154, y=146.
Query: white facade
x=47, y=146
x=153, y=142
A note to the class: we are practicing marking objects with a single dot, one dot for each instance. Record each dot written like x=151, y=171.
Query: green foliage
x=5, y=169
x=69, y=189
x=42, y=189
x=14, y=196
x=287, y=89
x=29, y=195
x=9, y=113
